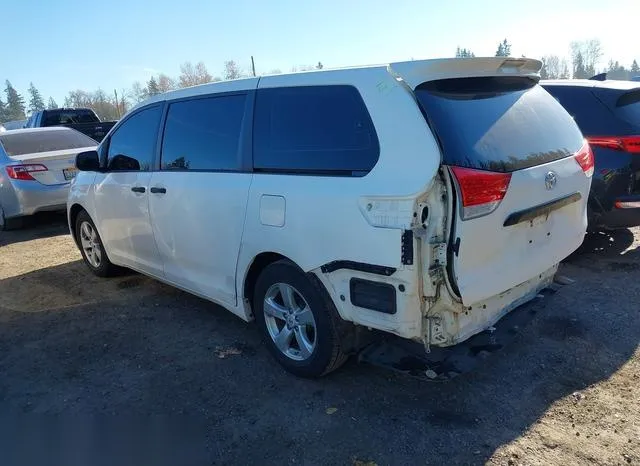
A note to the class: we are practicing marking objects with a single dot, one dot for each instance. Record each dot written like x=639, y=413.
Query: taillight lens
x=23, y=172
x=481, y=191
x=584, y=157
x=625, y=143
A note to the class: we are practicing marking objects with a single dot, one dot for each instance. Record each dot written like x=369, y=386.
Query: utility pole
x=124, y=105
x=117, y=105
x=253, y=67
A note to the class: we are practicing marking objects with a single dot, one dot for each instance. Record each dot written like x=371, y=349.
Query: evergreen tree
x=52, y=104
x=35, y=102
x=579, y=71
x=544, y=73
x=504, y=49
x=15, y=103
x=152, y=87
x=464, y=53
x=634, y=68
x=3, y=111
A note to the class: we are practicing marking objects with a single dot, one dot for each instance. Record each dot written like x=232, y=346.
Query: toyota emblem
x=550, y=180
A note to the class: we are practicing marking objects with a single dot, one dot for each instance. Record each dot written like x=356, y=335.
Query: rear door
x=521, y=172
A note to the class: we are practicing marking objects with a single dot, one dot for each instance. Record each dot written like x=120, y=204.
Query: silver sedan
x=36, y=167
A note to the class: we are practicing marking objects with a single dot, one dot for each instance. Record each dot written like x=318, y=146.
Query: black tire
x=330, y=331
x=7, y=224
x=105, y=267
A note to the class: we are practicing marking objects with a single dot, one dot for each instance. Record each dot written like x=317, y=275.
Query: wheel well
x=73, y=215
x=260, y=262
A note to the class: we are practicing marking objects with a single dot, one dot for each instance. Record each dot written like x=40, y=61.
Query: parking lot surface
x=566, y=391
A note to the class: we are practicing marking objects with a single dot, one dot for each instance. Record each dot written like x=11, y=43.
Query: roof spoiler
x=415, y=73
x=599, y=77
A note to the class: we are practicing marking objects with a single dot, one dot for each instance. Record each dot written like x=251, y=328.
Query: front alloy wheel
x=90, y=244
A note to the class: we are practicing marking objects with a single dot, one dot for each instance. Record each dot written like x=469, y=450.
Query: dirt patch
x=565, y=392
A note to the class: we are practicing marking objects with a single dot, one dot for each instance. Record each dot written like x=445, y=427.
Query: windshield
x=33, y=142
x=497, y=123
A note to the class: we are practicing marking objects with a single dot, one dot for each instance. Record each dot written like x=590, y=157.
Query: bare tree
x=231, y=70
x=564, y=69
x=165, y=83
x=193, y=75
x=552, y=66
x=103, y=105
x=585, y=56
x=592, y=55
x=275, y=71
x=137, y=93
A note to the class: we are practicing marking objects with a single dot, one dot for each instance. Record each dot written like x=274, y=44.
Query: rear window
x=313, y=130
x=591, y=114
x=67, y=117
x=33, y=142
x=628, y=107
x=497, y=123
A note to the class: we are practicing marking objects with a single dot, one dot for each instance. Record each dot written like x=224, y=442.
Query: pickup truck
x=84, y=120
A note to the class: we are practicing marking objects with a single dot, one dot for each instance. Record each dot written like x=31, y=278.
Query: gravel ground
x=566, y=391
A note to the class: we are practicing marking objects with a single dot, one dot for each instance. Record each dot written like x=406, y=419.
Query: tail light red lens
x=625, y=143
x=481, y=191
x=23, y=172
x=584, y=157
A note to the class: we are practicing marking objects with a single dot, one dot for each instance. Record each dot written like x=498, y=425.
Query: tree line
x=583, y=60
x=112, y=107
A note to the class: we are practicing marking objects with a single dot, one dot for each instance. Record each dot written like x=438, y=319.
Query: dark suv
x=608, y=113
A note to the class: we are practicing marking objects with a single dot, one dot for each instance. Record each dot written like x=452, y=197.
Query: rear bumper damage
x=443, y=363
x=448, y=322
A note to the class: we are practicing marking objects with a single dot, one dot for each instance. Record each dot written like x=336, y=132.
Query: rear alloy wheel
x=299, y=321
x=290, y=322
x=91, y=247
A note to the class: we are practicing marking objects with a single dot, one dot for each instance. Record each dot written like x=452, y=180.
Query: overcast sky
x=72, y=44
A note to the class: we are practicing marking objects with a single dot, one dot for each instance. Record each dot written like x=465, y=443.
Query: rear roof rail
x=415, y=73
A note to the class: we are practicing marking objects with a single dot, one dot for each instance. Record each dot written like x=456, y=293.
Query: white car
x=425, y=199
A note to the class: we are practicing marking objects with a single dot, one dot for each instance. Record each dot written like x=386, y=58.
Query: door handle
x=138, y=189
x=158, y=190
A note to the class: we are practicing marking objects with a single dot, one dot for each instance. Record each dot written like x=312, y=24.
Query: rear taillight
x=623, y=143
x=23, y=172
x=481, y=191
x=584, y=157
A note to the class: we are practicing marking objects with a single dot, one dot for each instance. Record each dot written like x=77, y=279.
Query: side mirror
x=88, y=161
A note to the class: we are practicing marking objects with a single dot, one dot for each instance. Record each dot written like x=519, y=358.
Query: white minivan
x=426, y=199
